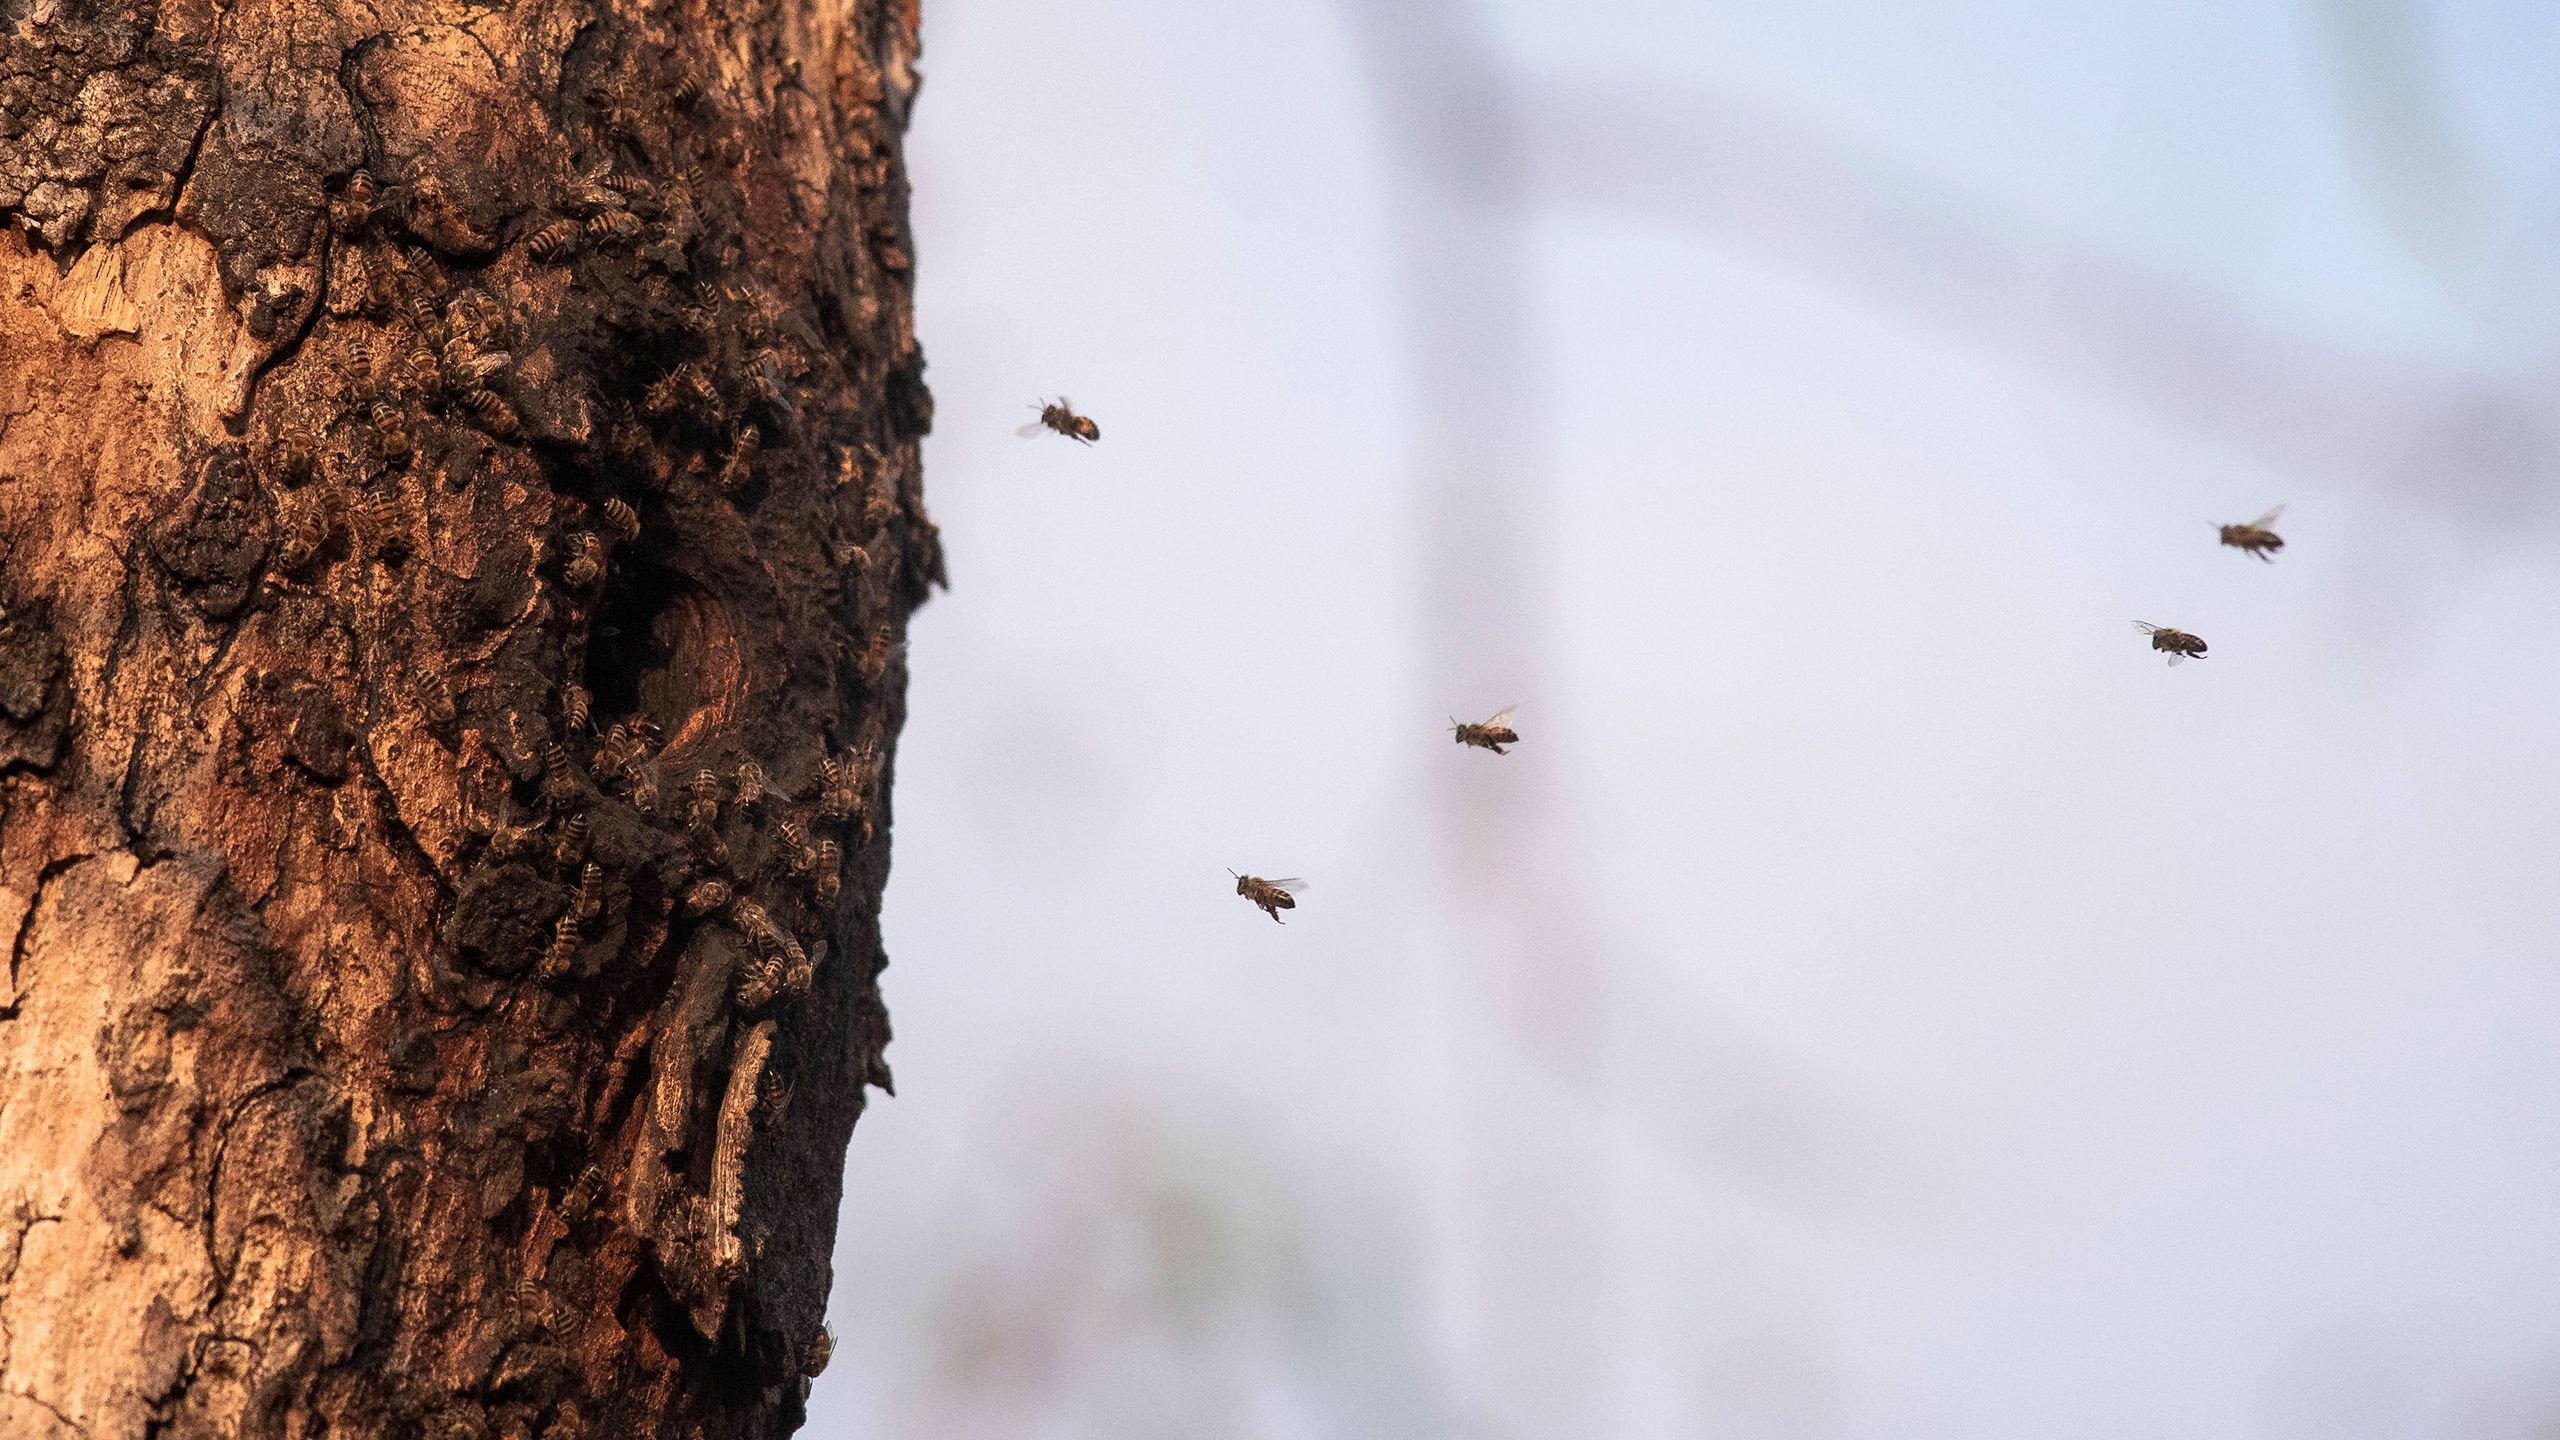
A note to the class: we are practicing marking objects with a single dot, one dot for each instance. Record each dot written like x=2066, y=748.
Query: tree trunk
x=458, y=510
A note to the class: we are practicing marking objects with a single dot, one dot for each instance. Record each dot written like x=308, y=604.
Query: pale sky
x=1994, y=1031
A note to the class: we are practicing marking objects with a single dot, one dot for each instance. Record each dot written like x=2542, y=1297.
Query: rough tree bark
x=458, y=510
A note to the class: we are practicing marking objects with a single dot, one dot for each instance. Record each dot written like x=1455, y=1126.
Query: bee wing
x=1293, y=884
x=2263, y=521
x=1029, y=431
x=1502, y=718
x=2177, y=659
x=2146, y=627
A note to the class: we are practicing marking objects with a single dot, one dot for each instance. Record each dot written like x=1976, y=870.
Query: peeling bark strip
x=456, y=468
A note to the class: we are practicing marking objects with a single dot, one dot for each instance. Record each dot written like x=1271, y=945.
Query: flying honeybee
x=2256, y=537
x=1062, y=417
x=1491, y=735
x=1273, y=896
x=2178, y=643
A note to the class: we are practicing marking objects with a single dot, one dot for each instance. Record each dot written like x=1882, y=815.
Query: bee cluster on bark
x=557, y=539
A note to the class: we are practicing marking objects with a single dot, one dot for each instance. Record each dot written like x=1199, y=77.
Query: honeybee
x=686, y=77
x=586, y=561
x=760, y=981
x=877, y=652
x=773, y=1099
x=704, y=792
x=2256, y=537
x=644, y=790
x=821, y=1350
x=836, y=797
x=580, y=1201
x=590, y=891
x=354, y=210
x=389, y=429
x=382, y=516
x=750, y=783
x=706, y=897
x=797, y=853
x=509, y=841
x=845, y=781
x=828, y=861
x=630, y=187
x=1491, y=735
x=624, y=520
x=1062, y=417
x=492, y=411
x=564, y=948
x=2180, y=645
x=741, y=463
x=935, y=567
x=559, y=775
x=297, y=448
x=574, y=705
x=573, y=841
x=614, y=225
x=615, y=751
x=424, y=372
x=466, y=365
x=1273, y=896
x=435, y=697
x=420, y=304
x=686, y=384
x=553, y=241
x=305, y=531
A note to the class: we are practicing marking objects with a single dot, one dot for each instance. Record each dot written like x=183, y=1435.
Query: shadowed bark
x=459, y=511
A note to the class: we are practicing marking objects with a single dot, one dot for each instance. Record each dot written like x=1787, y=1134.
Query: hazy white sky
x=2003, y=1034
